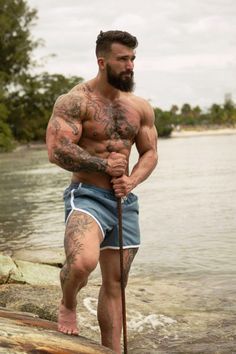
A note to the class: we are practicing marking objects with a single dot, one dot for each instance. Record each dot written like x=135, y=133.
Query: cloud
x=187, y=47
x=186, y=62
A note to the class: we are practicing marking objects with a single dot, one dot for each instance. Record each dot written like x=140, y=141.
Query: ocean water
x=181, y=294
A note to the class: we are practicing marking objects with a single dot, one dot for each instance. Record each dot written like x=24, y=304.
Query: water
x=183, y=278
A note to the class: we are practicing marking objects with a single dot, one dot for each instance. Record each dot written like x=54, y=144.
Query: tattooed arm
x=64, y=132
x=146, y=143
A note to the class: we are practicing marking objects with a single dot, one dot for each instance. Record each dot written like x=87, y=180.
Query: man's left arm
x=146, y=143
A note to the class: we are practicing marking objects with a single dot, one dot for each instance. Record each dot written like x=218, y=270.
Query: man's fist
x=116, y=164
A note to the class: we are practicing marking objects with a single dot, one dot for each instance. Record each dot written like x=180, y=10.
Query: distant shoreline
x=185, y=133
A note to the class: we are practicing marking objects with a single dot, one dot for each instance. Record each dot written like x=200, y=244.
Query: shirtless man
x=90, y=133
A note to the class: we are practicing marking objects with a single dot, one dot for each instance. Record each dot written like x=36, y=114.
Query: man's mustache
x=127, y=72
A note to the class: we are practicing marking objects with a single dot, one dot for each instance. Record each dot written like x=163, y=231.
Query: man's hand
x=122, y=185
x=116, y=164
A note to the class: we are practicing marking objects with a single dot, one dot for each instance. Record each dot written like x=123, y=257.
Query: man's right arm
x=63, y=135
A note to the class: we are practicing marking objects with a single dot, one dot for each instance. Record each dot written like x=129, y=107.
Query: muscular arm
x=146, y=143
x=63, y=134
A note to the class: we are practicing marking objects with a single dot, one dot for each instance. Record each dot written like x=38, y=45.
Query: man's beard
x=120, y=81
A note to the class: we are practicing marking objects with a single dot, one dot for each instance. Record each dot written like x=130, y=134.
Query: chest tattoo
x=113, y=118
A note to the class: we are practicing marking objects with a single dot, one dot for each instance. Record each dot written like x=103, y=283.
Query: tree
x=187, y=116
x=163, y=122
x=6, y=137
x=31, y=105
x=16, y=43
x=216, y=113
x=229, y=107
x=174, y=109
x=196, y=112
x=186, y=110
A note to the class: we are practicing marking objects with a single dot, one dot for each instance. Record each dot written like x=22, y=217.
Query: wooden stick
x=122, y=278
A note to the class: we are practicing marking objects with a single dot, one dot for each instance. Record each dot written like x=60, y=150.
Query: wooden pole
x=122, y=278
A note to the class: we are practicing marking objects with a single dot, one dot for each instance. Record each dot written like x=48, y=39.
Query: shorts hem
x=117, y=247
x=88, y=213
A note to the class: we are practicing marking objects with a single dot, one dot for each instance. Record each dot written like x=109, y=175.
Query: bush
x=163, y=122
x=6, y=138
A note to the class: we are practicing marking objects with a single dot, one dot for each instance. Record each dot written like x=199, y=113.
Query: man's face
x=119, y=67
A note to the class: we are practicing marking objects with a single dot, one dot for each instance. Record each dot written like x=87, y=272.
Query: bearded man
x=91, y=132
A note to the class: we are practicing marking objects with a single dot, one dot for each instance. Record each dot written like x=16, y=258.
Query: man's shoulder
x=82, y=89
x=140, y=103
x=76, y=94
x=137, y=99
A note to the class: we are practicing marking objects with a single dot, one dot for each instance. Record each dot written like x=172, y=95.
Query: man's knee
x=111, y=287
x=83, y=266
x=78, y=270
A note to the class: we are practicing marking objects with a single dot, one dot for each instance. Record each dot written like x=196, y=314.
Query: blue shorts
x=101, y=205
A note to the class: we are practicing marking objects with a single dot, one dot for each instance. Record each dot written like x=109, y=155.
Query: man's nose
x=129, y=64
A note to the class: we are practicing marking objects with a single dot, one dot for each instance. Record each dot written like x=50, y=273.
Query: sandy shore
x=202, y=132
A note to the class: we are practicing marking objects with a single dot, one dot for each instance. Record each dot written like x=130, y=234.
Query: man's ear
x=101, y=63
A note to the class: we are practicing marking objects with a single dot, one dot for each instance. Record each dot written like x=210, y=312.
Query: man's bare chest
x=111, y=121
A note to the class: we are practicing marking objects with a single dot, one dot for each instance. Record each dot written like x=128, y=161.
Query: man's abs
x=93, y=178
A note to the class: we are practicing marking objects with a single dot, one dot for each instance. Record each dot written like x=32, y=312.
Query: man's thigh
x=82, y=237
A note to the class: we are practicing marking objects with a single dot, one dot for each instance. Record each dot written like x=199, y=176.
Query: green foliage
x=16, y=43
x=163, y=122
x=6, y=138
x=188, y=116
x=25, y=101
x=31, y=105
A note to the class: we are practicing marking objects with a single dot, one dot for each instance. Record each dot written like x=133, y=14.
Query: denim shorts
x=101, y=205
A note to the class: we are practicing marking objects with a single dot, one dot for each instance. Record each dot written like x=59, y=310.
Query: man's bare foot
x=67, y=321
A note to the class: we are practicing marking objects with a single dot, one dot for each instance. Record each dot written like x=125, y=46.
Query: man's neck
x=100, y=85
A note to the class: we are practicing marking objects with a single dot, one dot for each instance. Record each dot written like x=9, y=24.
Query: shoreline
x=186, y=133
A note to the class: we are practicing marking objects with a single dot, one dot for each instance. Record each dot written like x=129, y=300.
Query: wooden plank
x=28, y=334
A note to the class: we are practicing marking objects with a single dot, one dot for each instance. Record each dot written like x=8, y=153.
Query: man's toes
x=62, y=329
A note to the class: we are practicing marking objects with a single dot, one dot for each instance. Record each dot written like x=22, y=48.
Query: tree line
x=26, y=99
x=191, y=117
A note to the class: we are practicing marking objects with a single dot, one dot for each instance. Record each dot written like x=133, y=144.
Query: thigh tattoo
x=78, y=225
x=128, y=259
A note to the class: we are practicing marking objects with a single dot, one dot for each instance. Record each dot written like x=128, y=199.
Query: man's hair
x=105, y=40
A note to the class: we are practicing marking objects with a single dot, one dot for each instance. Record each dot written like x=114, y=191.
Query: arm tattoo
x=67, y=154
x=68, y=107
x=75, y=159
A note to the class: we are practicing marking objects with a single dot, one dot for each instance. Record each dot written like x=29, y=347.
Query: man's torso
x=107, y=126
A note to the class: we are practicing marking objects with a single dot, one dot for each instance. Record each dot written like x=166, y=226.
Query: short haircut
x=105, y=40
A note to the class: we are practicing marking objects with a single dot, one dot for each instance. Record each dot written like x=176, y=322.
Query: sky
x=186, y=52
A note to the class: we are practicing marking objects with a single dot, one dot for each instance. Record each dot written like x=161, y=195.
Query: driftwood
x=26, y=333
